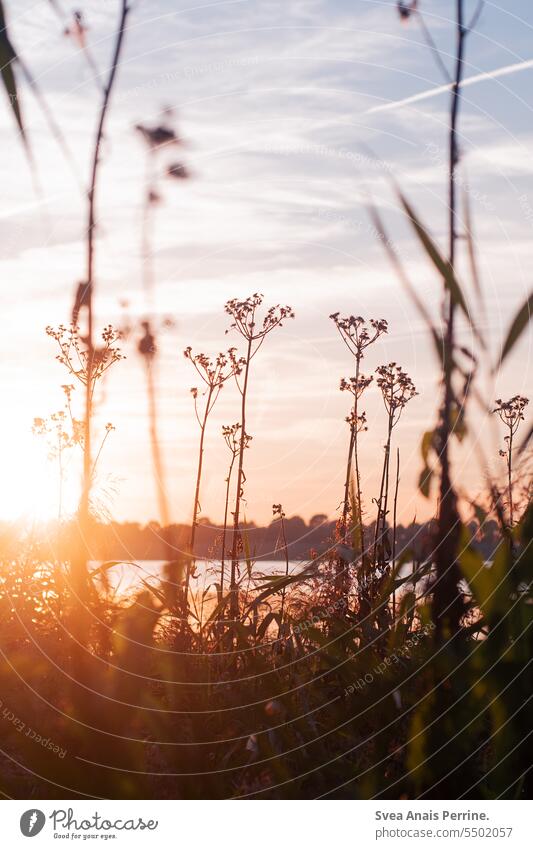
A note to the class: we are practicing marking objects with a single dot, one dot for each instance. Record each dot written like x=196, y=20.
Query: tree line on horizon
x=127, y=541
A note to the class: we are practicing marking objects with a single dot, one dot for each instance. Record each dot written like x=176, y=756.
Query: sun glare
x=31, y=489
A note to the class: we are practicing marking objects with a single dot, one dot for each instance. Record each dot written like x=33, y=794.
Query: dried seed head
x=357, y=334
x=396, y=387
x=215, y=371
x=405, y=9
x=358, y=423
x=245, y=319
x=511, y=412
x=355, y=385
x=158, y=136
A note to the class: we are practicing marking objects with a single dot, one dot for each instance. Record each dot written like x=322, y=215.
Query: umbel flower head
x=511, y=412
x=357, y=333
x=75, y=355
x=357, y=423
x=232, y=438
x=355, y=385
x=245, y=320
x=397, y=389
x=214, y=372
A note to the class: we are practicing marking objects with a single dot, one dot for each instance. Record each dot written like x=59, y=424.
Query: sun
x=31, y=488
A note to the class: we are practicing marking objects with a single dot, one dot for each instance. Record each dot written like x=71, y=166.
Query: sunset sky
x=281, y=106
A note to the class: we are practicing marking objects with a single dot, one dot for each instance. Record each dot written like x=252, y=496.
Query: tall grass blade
x=517, y=327
x=442, y=265
x=7, y=57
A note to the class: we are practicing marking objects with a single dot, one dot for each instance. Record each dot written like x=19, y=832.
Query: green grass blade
x=442, y=265
x=517, y=327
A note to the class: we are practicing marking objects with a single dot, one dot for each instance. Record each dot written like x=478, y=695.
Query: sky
x=292, y=115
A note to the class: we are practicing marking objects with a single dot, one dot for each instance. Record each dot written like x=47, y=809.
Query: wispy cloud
x=495, y=74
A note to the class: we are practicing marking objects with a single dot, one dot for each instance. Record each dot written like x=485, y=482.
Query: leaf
x=407, y=606
x=247, y=555
x=243, y=633
x=426, y=444
x=208, y=588
x=266, y=622
x=109, y=564
x=394, y=580
x=442, y=265
x=424, y=481
x=518, y=325
x=7, y=57
x=277, y=583
x=418, y=740
x=219, y=609
x=481, y=514
x=489, y=584
x=525, y=440
x=357, y=535
x=457, y=421
x=472, y=252
x=136, y=621
x=156, y=592
x=524, y=560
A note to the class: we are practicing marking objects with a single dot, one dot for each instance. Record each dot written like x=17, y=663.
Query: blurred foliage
x=338, y=701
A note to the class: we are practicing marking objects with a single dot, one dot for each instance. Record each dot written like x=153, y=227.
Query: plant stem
x=346, y=505
x=225, y=529
x=357, y=519
x=234, y=602
x=386, y=493
x=282, y=609
x=379, y=532
x=146, y=233
x=60, y=464
x=149, y=356
x=510, y=475
x=80, y=572
x=359, y=506
x=196, y=508
x=157, y=460
x=447, y=578
x=394, y=517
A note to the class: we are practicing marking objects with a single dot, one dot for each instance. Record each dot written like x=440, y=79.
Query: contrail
x=433, y=92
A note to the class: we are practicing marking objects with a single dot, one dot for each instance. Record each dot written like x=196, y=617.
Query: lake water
x=127, y=577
